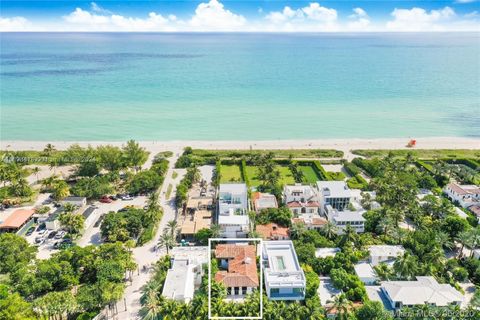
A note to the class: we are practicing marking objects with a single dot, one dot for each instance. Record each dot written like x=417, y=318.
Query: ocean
x=207, y=86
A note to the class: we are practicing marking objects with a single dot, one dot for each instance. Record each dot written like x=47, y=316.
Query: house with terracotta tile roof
x=262, y=201
x=272, y=231
x=465, y=195
x=17, y=220
x=301, y=199
x=239, y=264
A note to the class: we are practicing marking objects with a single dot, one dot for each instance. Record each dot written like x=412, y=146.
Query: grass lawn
x=230, y=173
x=422, y=153
x=309, y=174
x=296, y=153
x=286, y=175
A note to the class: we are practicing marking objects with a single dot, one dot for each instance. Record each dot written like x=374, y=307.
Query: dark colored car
x=52, y=234
x=30, y=231
x=113, y=198
x=41, y=227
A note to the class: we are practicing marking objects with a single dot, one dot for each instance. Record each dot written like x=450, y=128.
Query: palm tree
x=465, y=240
x=383, y=271
x=342, y=305
x=36, y=171
x=405, y=266
x=444, y=240
x=151, y=306
x=329, y=230
x=49, y=182
x=49, y=149
x=215, y=230
x=172, y=227
x=68, y=207
x=296, y=230
x=166, y=241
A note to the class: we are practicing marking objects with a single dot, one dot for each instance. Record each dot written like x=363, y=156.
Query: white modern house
x=423, y=291
x=262, y=201
x=284, y=277
x=334, y=193
x=384, y=253
x=342, y=219
x=185, y=274
x=465, y=195
x=233, y=210
x=301, y=199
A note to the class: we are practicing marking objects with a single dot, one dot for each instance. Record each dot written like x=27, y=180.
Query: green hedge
x=243, y=171
x=351, y=169
x=321, y=171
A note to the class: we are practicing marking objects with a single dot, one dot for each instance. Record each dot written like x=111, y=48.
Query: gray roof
x=88, y=212
x=349, y=216
x=74, y=199
x=423, y=290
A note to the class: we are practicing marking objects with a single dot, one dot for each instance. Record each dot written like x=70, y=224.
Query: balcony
x=287, y=296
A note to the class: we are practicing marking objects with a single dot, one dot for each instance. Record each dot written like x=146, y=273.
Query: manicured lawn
x=286, y=175
x=422, y=153
x=230, y=173
x=309, y=174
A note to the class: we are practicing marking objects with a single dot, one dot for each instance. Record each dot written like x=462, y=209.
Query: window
x=274, y=291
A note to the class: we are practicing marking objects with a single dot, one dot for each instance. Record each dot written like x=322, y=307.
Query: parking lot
x=92, y=234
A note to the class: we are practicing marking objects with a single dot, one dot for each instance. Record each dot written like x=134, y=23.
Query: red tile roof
x=294, y=204
x=271, y=231
x=242, y=265
x=475, y=210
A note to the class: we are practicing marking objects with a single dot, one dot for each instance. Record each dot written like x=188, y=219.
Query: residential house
x=185, y=273
x=263, y=201
x=76, y=201
x=342, y=219
x=476, y=211
x=240, y=276
x=311, y=222
x=465, y=195
x=233, y=210
x=423, y=291
x=272, y=231
x=384, y=253
x=284, y=277
x=301, y=199
x=334, y=193
x=326, y=252
x=365, y=273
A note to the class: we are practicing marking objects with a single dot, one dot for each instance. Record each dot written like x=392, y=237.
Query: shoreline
x=338, y=144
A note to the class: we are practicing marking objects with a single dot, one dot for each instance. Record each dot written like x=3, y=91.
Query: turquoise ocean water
x=108, y=86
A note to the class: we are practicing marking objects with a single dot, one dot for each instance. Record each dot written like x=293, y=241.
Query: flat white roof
x=235, y=188
x=326, y=252
x=283, y=266
x=348, y=216
x=197, y=255
x=364, y=270
x=336, y=189
x=179, y=283
x=385, y=251
x=233, y=219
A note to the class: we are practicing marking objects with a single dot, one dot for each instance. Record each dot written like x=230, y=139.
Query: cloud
x=311, y=18
x=418, y=19
x=465, y=1
x=82, y=20
x=14, y=24
x=96, y=8
x=213, y=16
x=359, y=20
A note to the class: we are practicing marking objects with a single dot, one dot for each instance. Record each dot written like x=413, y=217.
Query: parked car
x=105, y=199
x=42, y=232
x=41, y=227
x=52, y=234
x=113, y=198
x=30, y=231
x=126, y=197
x=39, y=240
x=60, y=235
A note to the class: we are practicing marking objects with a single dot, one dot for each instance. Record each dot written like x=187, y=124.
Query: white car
x=126, y=197
x=42, y=232
x=60, y=235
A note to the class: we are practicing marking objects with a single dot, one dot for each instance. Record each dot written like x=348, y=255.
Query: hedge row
x=243, y=171
x=352, y=169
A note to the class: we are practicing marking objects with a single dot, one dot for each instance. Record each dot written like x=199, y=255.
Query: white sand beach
x=345, y=145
